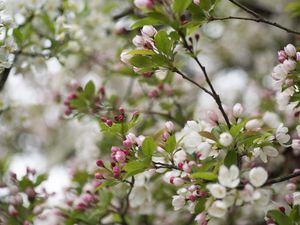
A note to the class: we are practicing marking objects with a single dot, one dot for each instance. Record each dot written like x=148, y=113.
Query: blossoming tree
x=159, y=155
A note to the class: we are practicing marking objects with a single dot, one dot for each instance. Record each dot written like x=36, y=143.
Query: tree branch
x=213, y=92
x=258, y=18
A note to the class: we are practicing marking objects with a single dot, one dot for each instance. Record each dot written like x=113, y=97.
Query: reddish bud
x=99, y=163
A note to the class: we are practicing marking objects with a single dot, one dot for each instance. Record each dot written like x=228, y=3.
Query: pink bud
x=80, y=206
x=127, y=143
x=120, y=156
x=197, y=2
x=144, y=4
x=291, y=187
x=200, y=218
x=187, y=168
x=165, y=135
x=99, y=163
x=88, y=198
x=30, y=192
x=154, y=93
x=289, y=199
x=109, y=123
x=116, y=171
x=298, y=56
x=98, y=176
x=115, y=149
x=212, y=116
x=138, y=41
x=26, y=222
x=282, y=56
x=121, y=110
x=148, y=74
x=12, y=211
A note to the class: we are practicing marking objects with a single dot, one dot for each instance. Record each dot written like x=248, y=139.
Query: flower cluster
x=286, y=78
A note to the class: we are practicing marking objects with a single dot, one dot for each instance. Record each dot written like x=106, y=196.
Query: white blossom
x=296, y=198
x=148, y=31
x=253, y=124
x=258, y=176
x=178, y=202
x=265, y=152
x=218, y=209
x=217, y=190
x=281, y=134
x=229, y=177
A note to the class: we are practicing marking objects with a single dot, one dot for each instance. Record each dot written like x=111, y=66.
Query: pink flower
x=12, y=211
x=282, y=56
x=116, y=171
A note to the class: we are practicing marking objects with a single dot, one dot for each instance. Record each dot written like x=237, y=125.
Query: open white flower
x=178, y=202
x=258, y=176
x=229, y=177
x=218, y=209
x=281, y=134
x=205, y=149
x=296, y=198
x=217, y=190
x=265, y=152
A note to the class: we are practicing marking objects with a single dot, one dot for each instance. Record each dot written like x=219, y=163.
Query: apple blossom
x=253, y=124
x=296, y=198
x=144, y=4
x=237, y=110
x=258, y=176
x=225, y=139
x=290, y=50
x=265, y=152
x=148, y=31
x=298, y=56
x=217, y=190
x=178, y=202
x=218, y=209
x=169, y=125
x=289, y=65
x=201, y=218
x=229, y=177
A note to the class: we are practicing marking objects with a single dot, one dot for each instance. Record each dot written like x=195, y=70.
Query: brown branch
x=258, y=18
x=276, y=180
x=214, y=94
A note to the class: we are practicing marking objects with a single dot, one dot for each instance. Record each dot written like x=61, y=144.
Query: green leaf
x=179, y=6
x=106, y=183
x=135, y=167
x=18, y=36
x=170, y=144
x=231, y=158
x=163, y=43
x=149, y=146
x=40, y=179
x=295, y=213
x=280, y=218
x=141, y=52
x=48, y=22
x=205, y=176
x=146, y=21
x=141, y=61
x=89, y=90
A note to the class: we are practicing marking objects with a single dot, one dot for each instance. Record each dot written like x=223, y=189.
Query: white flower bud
x=178, y=202
x=225, y=139
x=289, y=65
x=144, y=4
x=237, y=110
x=217, y=190
x=169, y=126
x=253, y=125
x=296, y=198
x=291, y=187
x=296, y=144
x=149, y=31
x=197, y=2
x=218, y=209
x=258, y=176
x=178, y=181
x=298, y=56
x=138, y=41
x=125, y=57
x=290, y=50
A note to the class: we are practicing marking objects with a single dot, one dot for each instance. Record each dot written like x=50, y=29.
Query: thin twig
x=258, y=18
x=203, y=69
x=276, y=180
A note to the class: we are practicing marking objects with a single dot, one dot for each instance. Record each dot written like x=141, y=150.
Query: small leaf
x=170, y=144
x=40, y=179
x=107, y=183
x=280, y=218
x=89, y=90
x=141, y=52
x=135, y=167
x=205, y=176
x=149, y=146
x=141, y=61
x=231, y=158
x=208, y=135
x=179, y=6
x=163, y=43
